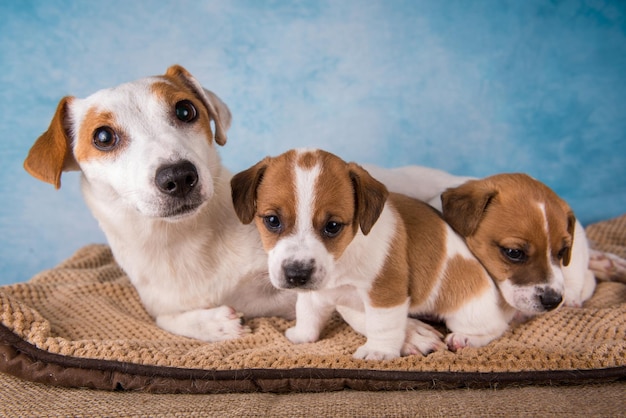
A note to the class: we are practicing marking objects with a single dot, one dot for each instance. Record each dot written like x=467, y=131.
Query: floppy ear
x=218, y=111
x=370, y=196
x=571, y=228
x=52, y=153
x=463, y=206
x=243, y=191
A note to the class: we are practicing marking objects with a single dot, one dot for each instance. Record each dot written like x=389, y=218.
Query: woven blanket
x=81, y=324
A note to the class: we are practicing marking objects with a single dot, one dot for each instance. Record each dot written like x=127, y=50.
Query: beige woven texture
x=87, y=308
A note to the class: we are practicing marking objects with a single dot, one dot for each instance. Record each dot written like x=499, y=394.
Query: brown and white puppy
x=525, y=236
x=335, y=235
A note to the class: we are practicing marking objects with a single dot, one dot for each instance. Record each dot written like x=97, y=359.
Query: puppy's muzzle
x=298, y=273
x=177, y=180
x=550, y=299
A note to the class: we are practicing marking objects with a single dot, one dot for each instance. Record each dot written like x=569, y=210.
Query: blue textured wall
x=473, y=87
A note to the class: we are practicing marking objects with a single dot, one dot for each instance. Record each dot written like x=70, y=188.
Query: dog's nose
x=298, y=274
x=550, y=299
x=178, y=179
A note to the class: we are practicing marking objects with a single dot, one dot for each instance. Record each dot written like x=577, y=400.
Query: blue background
x=472, y=87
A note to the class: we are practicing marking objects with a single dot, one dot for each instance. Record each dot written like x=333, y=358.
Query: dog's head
x=520, y=230
x=308, y=206
x=147, y=143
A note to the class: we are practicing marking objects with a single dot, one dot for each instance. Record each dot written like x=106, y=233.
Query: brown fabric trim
x=26, y=361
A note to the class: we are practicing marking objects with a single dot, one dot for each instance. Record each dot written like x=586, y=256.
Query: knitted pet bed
x=81, y=324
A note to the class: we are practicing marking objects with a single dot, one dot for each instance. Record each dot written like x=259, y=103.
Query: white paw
x=456, y=340
x=300, y=336
x=366, y=352
x=211, y=325
x=421, y=338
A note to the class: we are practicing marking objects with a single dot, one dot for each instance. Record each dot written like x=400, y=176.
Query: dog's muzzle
x=550, y=299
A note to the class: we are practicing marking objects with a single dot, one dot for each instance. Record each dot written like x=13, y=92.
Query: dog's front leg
x=216, y=324
x=386, y=331
x=312, y=312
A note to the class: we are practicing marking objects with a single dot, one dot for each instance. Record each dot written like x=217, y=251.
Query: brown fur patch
x=462, y=280
x=85, y=149
x=425, y=248
x=174, y=91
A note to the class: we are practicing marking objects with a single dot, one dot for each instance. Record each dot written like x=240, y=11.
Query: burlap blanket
x=81, y=324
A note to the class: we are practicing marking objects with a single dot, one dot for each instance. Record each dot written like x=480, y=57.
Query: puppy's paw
x=366, y=352
x=607, y=266
x=298, y=335
x=456, y=340
x=421, y=338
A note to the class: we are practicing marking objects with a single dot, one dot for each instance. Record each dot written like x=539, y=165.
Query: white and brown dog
x=152, y=177
x=334, y=234
x=523, y=233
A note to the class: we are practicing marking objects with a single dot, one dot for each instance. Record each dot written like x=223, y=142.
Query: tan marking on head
x=307, y=160
x=84, y=149
x=512, y=218
x=174, y=91
x=463, y=279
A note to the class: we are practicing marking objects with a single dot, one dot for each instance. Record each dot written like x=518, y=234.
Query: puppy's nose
x=177, y=180
x=550, y=299
x=298, y=274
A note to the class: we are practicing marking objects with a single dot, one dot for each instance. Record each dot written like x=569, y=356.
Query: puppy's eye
x=332, y=229
x=514, y=255
x=272, y=223
x=105, y=138
x=186, y=111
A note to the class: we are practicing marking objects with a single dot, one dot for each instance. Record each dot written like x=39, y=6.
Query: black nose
x=550, y=299
x=297, y=273
x=178, y=179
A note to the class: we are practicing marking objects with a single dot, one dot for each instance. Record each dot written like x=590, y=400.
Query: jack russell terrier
x=523, y=233
x=334, y=234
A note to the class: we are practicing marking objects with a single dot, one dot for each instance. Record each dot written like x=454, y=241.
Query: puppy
x=333, y=234
x=519, y=229
x=153, y=179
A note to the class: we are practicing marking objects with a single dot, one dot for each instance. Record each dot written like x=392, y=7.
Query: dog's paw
x=366, y=352
x=607, y=266
x=456, y=340
x=298, y=335
x=211, y=325
x=421, y=338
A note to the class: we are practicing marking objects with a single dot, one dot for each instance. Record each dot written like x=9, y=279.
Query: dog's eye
x=105, y=138
x=186, y=111
x=272, y=223
x=514, y=255
x=332, y=229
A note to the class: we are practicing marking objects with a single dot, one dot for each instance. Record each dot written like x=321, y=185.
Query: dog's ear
x=217, y=109
x=463, y=206
x=571, y=229
x=370, y=196
x=52, y=153
x=243, y=190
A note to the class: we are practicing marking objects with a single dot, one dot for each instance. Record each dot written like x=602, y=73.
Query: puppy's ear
x=217, y=109
x=52, y=153
x=571, y=229
x=243, y=190
x=370, y=196
x=463, y=206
